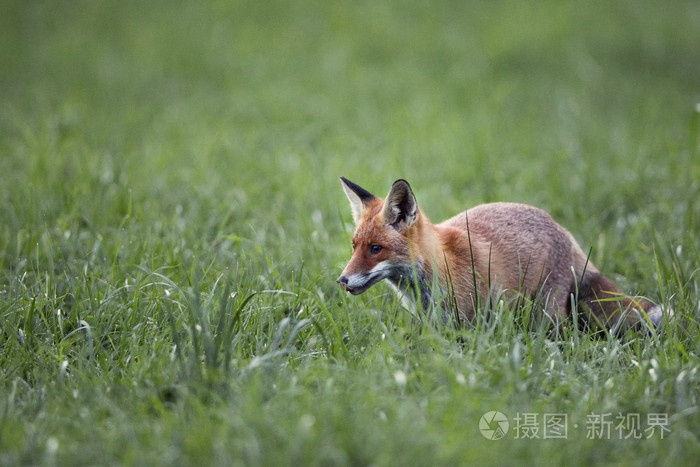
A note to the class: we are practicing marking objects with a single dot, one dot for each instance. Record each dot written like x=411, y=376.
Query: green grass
x=171, y=226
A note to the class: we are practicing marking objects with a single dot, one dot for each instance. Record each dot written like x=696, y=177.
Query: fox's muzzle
x=343, y=281
x=357, y=287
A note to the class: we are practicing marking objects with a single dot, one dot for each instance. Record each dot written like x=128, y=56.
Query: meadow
x=172, y=225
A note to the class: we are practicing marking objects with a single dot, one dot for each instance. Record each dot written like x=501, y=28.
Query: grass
x=171, y=226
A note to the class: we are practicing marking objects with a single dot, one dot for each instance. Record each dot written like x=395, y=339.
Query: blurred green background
x=261, y=105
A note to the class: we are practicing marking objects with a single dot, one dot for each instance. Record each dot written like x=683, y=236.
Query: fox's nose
x=343, y=281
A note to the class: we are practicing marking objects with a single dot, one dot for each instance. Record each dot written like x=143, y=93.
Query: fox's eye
x=375, y=249
x=353, y=245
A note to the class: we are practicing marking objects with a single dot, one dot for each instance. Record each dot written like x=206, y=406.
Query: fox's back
x=511, y=224
x=514, y=246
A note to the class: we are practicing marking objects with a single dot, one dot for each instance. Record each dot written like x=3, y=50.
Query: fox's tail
x=603, y=305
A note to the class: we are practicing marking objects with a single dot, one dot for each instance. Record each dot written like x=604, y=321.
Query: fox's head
x=382, y=228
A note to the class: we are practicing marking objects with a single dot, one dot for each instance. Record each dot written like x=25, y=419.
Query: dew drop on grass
x=653, y=375
x=306, y=422
x=51, y=445
x=400, y=378
x=680, y=376
x=654, y=370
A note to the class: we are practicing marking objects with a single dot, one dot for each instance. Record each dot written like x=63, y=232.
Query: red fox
x=508, y=247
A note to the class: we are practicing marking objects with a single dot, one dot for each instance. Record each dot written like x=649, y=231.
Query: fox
x=512, y=249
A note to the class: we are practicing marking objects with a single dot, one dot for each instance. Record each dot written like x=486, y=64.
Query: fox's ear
x=400, y=207
x=358, y=197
